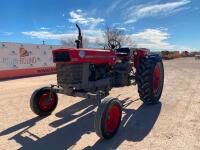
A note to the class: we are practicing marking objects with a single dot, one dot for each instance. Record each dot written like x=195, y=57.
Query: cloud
x=121, y=28
x=60, y=26
x=47, y=35
x=127, y=3
x=149, y=38
x=79, y=10
x=90, y=34
x=6, y=33
x=186, y=48
x=143, y=11
x=113, y=6
x=93, y=34
x=153, y=39
x=44, y=28
x=80, y=17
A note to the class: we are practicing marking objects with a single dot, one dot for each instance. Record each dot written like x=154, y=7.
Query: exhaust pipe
x=79, y=41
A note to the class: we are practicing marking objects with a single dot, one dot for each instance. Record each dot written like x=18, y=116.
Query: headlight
x=82, y=54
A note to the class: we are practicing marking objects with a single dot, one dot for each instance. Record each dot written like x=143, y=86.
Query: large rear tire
x=150, y=79
x=42, y=102
x=108, y=118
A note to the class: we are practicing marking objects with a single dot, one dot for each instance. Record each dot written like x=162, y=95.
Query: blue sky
x=155, y=24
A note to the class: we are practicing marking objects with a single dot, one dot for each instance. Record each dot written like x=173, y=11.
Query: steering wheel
x=114, y=44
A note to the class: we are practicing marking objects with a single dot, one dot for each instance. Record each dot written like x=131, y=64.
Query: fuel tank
x=77, y=56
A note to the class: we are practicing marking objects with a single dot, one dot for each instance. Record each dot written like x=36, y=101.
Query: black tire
x=104, y=124
x=145, y=79
x=35, y=101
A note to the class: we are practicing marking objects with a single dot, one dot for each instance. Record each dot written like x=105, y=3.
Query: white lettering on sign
x=23, y=56
x=9, y=61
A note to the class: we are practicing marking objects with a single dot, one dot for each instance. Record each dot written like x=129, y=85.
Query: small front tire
x=108, y=118
x=42, y=102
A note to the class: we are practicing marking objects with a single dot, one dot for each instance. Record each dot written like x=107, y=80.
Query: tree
x=119, y=35
x=70, y=42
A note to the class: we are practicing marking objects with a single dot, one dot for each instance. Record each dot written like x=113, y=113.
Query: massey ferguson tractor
x=92, y=73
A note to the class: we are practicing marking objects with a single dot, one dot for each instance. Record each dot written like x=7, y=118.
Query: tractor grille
x=61, y=57
x=69, y=73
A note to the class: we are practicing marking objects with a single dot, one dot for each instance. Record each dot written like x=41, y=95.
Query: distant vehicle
x=197, y=56
x=170, y=54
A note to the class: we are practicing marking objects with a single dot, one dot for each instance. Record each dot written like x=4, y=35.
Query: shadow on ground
x=135, y=126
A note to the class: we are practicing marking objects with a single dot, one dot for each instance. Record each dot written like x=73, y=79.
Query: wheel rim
x=156, y=79
x=113, y=119
x=47, y=102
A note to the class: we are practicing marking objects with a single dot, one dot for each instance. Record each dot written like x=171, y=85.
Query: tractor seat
x=123, y=51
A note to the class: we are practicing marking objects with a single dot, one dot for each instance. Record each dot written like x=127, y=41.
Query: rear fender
x=138, y=55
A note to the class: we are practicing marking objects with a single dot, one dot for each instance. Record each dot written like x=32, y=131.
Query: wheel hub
x=113, y=119
x=46, y=102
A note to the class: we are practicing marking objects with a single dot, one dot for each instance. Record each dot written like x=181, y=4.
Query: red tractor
x=92, y=73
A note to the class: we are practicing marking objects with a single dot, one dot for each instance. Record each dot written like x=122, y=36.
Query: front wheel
x=150, y=78
x=43, y=101
x=108, y=118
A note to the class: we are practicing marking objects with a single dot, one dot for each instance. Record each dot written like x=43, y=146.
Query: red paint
x=139, y=54
x=156, y=79
x=46, y=102
x=94, y=56
x=113, y=119
x=8, y=74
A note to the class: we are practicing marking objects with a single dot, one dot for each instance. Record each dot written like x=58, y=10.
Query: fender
x=138, y=55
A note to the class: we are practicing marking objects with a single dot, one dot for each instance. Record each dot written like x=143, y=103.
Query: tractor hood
x=76, y=56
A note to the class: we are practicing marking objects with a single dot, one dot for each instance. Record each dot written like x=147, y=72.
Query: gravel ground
x=174, y=123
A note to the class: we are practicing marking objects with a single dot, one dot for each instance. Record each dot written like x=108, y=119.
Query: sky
x=153, y=24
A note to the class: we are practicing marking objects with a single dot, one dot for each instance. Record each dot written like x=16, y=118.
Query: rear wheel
x=108, y=118
x=43, y=101
x=150, y=79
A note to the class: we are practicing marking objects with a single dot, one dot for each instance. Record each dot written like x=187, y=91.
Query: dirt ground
x=172, y=124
